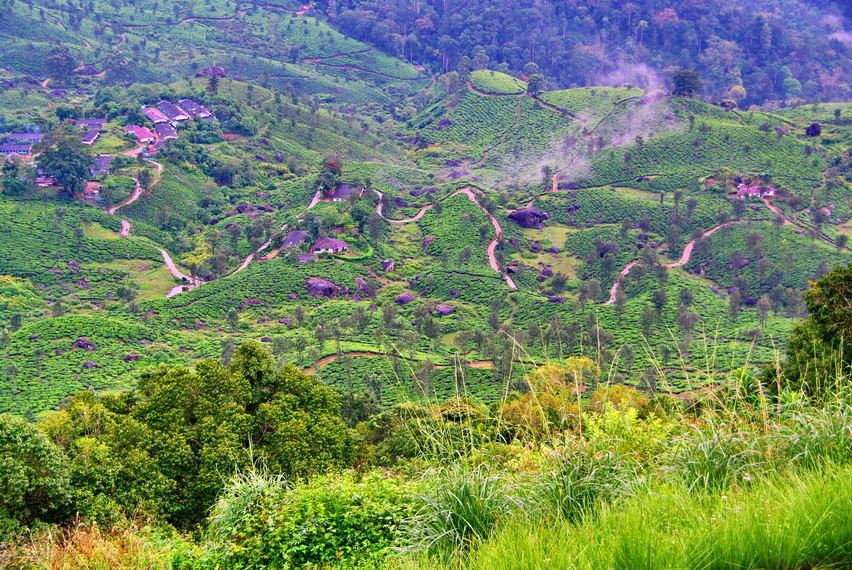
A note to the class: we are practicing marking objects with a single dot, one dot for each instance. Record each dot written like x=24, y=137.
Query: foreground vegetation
x=245, y=466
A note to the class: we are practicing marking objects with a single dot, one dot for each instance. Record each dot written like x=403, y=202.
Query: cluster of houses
x=20, y=143
x=754, y=191
x=166, y=117
x=294, y=239
x=93, y=128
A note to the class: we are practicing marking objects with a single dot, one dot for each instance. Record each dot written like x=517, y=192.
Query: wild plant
x=711, y=456
x=463, y=506
x=576, y=483
x=243, y=493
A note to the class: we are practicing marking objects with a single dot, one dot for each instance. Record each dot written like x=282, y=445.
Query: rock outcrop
x=529, y=217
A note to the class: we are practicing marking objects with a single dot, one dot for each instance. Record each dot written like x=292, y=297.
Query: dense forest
x=774, y=49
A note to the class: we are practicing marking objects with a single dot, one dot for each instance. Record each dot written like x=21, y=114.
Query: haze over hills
x=478, y=230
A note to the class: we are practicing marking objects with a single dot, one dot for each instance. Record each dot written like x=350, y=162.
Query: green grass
x=497, y=83
x=803, y=520
x=590, y=104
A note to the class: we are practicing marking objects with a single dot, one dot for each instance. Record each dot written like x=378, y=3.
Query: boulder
x=529, y=217
x=404, y=298
x=266, y=339
x=362, y=286
x=443, y=309
x=554, y=250
x=262, y=321
x=284, y=321
x=556, y=300
x=131, y=358
x=547, y=272
x=35, y=337
x=535, y=247
x=319, y=287
x=214, y=71
x=83, y=343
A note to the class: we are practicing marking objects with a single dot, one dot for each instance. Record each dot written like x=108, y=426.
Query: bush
x=463, y=507
x=33, y=475
x=339, y=520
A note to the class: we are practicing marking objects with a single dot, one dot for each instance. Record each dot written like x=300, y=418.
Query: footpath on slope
x=191, y=282
x=326, y=360
x=684, y=259
x=492, y=245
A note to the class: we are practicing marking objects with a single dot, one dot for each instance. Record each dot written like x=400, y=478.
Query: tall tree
x=686, y=83
x=67, y=161
x=59, y=64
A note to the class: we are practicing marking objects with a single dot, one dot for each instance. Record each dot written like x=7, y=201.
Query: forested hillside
x=774, y=50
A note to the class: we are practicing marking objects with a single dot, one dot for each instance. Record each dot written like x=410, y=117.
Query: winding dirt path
x=187, y=20
x=137, y=191
x=190, y=282
x=687, y=250
x=775, y=210
x=325, y=58
x=684, y=259
x=788, y=222
x=326, y=360
x=315, y=200
x=361, y=69
x=492, y=245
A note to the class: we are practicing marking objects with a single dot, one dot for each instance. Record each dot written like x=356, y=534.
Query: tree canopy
x=34, y=475
x=66, y=160
x=819, y=348
x=167, y=447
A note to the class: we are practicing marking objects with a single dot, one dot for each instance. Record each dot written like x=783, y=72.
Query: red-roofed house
x=155, y=115
x=143, y=134
x=330, y=245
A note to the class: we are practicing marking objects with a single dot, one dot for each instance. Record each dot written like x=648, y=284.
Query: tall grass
x=797, y=521
x=744, y=479
x=463, y=508
x=242, y=494
x=91, y=547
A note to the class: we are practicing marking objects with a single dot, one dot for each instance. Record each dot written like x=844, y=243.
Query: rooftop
x=155, y=115
x=330, y=243
x=294, y=238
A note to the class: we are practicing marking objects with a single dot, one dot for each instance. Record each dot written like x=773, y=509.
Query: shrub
x=33, y=475
x=338, y=520
x=463, y=506
x=577, y=483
